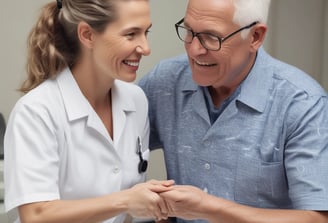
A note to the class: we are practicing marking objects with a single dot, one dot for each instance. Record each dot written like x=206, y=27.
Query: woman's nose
x=144, y=48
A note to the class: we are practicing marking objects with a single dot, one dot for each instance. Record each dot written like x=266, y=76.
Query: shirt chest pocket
x=261, y=184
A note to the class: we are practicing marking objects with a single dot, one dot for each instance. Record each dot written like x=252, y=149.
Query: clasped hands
x=162, y=199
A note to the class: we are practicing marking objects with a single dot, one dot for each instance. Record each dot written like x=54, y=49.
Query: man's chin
x=199, y=80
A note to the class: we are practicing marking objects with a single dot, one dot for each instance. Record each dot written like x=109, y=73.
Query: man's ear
x=258, y=35
x=85, y=34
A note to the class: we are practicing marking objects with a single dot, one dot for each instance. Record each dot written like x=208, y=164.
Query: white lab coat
x=56, y=146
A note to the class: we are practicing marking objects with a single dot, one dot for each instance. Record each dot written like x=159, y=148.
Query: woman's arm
x=141, y=200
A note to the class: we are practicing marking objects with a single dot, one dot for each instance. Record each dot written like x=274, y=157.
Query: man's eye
x=211, y=37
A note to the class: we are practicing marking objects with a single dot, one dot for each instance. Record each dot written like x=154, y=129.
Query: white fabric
x=56, y=146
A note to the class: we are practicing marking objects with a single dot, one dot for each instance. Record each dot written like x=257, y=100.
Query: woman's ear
x=258, y=35
x=85, y=34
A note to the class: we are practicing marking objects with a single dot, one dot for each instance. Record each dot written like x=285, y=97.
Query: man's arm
x=189, y=202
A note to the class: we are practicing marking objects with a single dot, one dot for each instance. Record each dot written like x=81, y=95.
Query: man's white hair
x=248, y=11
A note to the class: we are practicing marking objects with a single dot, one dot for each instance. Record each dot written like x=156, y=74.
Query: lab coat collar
x=77, y=106
x=122, y=105
x=121, y=98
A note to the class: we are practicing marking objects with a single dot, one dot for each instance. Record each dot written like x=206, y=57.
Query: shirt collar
x=77, y=106
x=255, y=88
x=190, y=85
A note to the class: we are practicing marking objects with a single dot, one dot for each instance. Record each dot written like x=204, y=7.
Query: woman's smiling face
x=118, y=50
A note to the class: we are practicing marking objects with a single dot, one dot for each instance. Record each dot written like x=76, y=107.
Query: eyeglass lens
x=208, y=41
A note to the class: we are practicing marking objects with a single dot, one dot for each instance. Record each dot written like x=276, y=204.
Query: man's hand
x=184, y=201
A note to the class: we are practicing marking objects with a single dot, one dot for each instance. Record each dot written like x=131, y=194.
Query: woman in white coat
x=76, y=144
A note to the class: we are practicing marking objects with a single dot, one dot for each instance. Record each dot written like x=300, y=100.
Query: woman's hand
x=144, y=199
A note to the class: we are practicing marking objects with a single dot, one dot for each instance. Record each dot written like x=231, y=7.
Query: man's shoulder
x=179, y=59
x=173, y=65
x=168, y=72
x=293, y=77
x=298, y=80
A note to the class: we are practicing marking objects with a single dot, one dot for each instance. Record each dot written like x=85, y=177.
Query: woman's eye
x=147, y=32
x=131, y=35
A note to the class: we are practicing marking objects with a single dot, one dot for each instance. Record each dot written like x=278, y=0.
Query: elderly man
x=247, y=133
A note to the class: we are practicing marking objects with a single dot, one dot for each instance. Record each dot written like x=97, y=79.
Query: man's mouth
x=131, y=63
x=205, y=64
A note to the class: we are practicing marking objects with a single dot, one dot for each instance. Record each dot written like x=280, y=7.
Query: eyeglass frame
x=220, y=39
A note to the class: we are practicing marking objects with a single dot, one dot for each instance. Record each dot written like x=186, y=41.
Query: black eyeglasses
x=208, y=40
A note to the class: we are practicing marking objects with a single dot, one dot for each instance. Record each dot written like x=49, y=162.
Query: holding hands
x=185, y=201
x=162, y=199
x=144, y=200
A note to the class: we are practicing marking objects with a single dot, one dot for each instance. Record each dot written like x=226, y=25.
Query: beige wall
x=298, y=35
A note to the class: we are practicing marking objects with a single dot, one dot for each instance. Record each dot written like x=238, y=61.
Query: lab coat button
x=116, y=170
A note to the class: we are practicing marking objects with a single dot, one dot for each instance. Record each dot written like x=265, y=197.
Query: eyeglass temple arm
x=245, y=27
x=181, y=21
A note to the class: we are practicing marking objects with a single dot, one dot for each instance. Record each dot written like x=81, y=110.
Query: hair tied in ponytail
x=59, y=4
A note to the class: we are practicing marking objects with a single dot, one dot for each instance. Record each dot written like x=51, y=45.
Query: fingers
x=163, y=208
x=166, y=183
x=171, y=195
x=161, y=212
x=160, y=186
x=157, y=208
x=146, y=200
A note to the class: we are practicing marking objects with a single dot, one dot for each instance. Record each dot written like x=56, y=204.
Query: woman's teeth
x=131, y=63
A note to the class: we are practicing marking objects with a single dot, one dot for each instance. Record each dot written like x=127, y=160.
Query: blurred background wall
x=298, y=34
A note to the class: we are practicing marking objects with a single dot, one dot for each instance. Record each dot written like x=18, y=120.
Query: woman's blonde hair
x=53, y=42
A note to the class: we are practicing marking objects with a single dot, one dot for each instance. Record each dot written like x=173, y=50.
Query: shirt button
x=207, y=166
x=207, y=143
x=116, y=170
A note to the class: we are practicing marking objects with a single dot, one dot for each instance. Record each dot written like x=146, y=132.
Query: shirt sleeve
x=306, y=154
x=31, y=156
x=147, y=85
